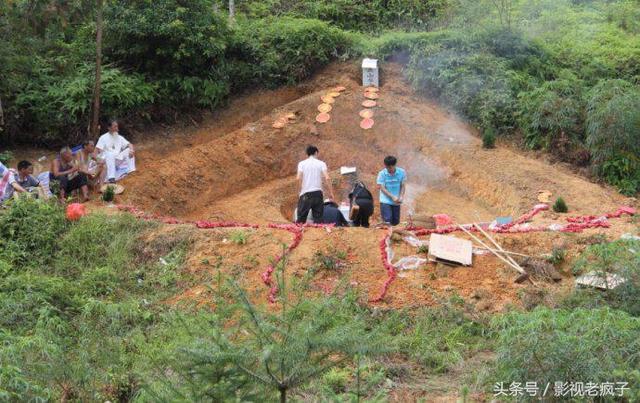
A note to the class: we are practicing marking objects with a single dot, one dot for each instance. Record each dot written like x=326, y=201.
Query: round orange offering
x=323, y=118
x=278, y=124
x=371, y=95
x=334, y=94
x=369, y=104
x=290, y=115
x=372, y=89
x=324, y=108
x=327, y=99
x=366, y=113
x=340, y=88
x=366, y=124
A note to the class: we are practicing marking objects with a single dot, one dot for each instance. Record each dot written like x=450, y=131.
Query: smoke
x=422, y=173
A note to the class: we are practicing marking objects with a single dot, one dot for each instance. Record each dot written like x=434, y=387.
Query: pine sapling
x=489, y=138
x=560, y=206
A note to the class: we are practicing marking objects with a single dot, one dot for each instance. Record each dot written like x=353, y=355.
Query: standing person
x=391, y=182
x=117, y=152
x=68, y=175
x=311, y=173
x=361, y=205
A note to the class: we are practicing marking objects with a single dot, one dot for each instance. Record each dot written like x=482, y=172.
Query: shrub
x=29, y=231
x=109, y=194
x=489, y=138
x=99, y=240
x=582, y=345
x=613, y=119
x=621, y=258
x=239, y=237
x=53, y=104
x=179, y=46
x=560, y=206
x=552, y=112
x=477, y=85
x=278, y=51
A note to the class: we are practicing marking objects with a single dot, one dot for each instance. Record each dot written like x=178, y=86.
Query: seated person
x=363, y=199
x=117, y=152
x=21, y=181
x=331, y=214
x=68, y=175
x=91, y=164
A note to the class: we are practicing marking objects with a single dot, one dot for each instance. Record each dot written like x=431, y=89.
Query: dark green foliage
x=280, y=51
x=613, y=122
x=109, y=194
x=489, y=138
x=560, y=206
x=179, y=46
x=360, y=15
x=552, y=113
x=5, y=157
x=581, y=345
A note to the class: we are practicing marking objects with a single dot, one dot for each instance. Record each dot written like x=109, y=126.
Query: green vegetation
x=109, y=194
x=489, y=138
x=238, y=237
x=619, y=258
x=560, y=206
x=583, y=345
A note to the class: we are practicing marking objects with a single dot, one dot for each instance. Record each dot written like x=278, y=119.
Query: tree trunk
x=232, y=11
x=1, y=115
x=96, y=89
x=283, y=395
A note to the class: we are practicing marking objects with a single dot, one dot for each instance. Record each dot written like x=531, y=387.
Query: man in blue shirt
x=391, y=182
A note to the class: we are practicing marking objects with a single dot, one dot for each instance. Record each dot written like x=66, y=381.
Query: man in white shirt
x=117, y=152
x=311, y=173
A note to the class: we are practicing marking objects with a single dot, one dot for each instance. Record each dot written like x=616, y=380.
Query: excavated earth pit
x=237, y=167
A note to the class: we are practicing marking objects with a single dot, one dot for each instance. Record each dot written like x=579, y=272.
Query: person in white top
x=311, y=174
x=117, y=152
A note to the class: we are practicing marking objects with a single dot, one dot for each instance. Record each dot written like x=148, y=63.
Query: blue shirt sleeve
x=380, y=180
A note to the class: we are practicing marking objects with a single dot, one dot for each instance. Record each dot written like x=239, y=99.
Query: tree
x=505, y=11
x=96, y=89
x=232, y=11
x=1, y=116
x=278, y=349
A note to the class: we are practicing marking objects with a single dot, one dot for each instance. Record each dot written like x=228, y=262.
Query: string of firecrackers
x=297, y=230
x=385, y=244
x=576, y=224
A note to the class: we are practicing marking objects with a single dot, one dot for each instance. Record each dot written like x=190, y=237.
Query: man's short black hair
x=23, y=165
x=390, y=161
x=312, y=150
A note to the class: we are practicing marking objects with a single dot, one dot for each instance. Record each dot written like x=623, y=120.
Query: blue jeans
x=390, y=213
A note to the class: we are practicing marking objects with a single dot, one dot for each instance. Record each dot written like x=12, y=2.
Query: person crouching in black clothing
x=363, y=200
x=331, y=214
